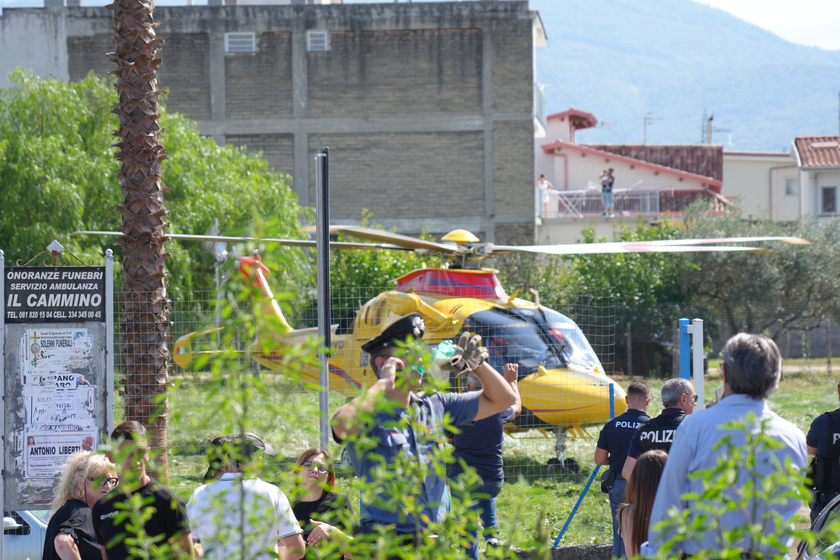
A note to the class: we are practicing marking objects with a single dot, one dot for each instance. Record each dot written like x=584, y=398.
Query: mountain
x=675, y=59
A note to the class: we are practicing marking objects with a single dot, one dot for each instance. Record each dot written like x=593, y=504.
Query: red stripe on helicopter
x=343, y=374
x=337, y=371
x=558, y=409
x=478, y=284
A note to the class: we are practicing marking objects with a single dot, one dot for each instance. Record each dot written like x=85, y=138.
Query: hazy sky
x=815, y=23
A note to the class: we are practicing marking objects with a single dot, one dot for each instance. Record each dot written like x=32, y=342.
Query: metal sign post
x=322, y=243
x=691, y=352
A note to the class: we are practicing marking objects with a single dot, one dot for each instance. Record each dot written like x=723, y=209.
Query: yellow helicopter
x=561, y=380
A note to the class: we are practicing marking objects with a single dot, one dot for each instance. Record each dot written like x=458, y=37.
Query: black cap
x=398, y=331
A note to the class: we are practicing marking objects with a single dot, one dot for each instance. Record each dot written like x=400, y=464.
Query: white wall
x=34, y=41
x=759, y=181
x=546, y=164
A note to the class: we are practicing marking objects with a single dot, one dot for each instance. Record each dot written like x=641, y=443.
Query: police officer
x=679, y=399
x=824, y=443
x=613, y=444
x=410, y=426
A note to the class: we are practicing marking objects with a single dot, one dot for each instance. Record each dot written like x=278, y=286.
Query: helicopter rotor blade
x=659, y=246
x=348, y=245
x=394, y=238
x=617, y=248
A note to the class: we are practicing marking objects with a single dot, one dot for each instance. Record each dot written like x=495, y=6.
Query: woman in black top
x=317, y=504
x=87, y=477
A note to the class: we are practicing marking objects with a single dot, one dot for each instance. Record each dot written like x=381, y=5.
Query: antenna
x=649, y=118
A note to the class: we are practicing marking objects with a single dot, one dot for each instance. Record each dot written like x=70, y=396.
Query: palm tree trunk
x=144, y=322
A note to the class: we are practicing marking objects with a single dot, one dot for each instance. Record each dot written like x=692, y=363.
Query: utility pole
x=649, y=118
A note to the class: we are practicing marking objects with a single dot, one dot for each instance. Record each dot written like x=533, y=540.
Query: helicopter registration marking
x=338, y=348
x=364, y=359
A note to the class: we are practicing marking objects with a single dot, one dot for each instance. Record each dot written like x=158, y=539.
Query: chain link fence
x=553, y=345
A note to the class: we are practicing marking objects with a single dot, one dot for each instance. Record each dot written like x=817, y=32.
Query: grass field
x=805, y=391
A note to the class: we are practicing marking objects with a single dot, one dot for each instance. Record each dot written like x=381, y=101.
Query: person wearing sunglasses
x=323, y=514
x=87, y=477
x=679, y=400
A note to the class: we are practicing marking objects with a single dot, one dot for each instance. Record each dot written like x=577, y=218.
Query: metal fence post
x=589, y=482
x=3, y=388
x=109, y=338
x=322, y=241
x=697, y=351
x=685, y=349
x=629, y=351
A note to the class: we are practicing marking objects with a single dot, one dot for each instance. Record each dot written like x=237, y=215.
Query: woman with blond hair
x=87, y=477
x=634, y=516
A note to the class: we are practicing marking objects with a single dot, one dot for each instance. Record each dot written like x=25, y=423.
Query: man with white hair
x=679, y=400
x=751, y=368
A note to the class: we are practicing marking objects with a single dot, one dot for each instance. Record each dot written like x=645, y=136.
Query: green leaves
x=58, y=174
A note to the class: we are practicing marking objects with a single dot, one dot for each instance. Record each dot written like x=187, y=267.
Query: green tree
x=647, y=289
x=785, y=287
x=58, y=174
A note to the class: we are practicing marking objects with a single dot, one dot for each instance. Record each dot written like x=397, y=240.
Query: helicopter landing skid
x=561, y=462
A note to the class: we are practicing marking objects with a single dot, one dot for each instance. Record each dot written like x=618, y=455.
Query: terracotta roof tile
x=700, y=159
x=818, y=151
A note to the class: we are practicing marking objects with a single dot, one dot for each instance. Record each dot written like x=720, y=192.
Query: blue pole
x=685, y=350
x=589, y=482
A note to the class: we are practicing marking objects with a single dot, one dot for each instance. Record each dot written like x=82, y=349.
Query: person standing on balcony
x=607, y=181
x=543, y=185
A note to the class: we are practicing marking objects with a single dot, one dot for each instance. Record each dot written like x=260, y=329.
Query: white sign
x=56, y=375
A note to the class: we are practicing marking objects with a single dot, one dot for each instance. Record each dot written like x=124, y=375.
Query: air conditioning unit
x=240, y=43
x=317, y=40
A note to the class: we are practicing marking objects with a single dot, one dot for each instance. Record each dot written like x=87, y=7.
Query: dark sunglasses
x=695, y=396
x=109, y=481
x=310, y=466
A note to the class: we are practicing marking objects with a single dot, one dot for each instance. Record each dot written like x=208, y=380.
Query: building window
x=317, y=40
x=240, y=43
x=829, y=200
x=792, y=187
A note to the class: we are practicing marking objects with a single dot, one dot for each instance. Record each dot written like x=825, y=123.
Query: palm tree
x=144, y=322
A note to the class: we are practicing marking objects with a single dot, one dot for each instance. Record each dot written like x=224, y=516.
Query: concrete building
x=429, y=109
x=651, y=180
x=765, y=185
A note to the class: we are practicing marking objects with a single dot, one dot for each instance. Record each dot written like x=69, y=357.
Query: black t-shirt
x=74, y=519
x=480, y=446
x=169, y=518
x=327, y=508
x=616, y=436
x=656, y=433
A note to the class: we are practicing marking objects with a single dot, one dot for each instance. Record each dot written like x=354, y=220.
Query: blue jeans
x=607, y=199
x=616, y=499
x=485, y=496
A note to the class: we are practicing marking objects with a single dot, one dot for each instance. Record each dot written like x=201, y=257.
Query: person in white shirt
x=543, y=185
x=240, y=515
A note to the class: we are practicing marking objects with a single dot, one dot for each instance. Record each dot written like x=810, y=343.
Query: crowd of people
x=651, y=462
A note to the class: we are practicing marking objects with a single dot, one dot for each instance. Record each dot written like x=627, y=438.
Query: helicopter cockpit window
x=579, y=351
x=509, y=339
x=532, y=339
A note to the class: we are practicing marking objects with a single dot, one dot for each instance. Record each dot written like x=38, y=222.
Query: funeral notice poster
x=59, y=397
x=54, y=294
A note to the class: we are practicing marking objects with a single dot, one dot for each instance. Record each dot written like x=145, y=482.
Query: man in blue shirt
x=479, y=445
x=390, y=426
x=612, y=447
x=751, y=368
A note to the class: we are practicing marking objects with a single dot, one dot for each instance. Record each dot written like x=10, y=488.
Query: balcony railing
x=633, y=201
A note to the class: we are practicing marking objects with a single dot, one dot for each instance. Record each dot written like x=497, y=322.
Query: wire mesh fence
x=565, y=349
